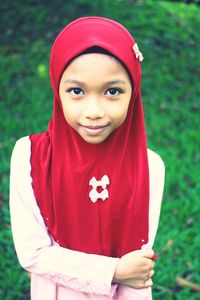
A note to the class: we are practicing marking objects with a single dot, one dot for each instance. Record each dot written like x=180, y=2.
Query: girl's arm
x=157, y=178
x=36, y=251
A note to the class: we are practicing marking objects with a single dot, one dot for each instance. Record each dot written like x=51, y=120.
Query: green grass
x=168, y=35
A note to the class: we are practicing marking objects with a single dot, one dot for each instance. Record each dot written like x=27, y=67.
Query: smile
x=94, y=129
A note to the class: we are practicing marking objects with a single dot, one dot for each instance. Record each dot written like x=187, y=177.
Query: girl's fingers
x=148, y=253
x=149, y=275
x=148, y=283
x=152, y=273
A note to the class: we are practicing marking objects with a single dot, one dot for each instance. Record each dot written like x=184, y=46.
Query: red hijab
x=62, y=163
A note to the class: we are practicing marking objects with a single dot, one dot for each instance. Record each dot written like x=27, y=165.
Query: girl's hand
x=135, y=269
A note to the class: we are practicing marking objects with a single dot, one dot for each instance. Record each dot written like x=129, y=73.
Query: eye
x=76, y=91
x=113, y=92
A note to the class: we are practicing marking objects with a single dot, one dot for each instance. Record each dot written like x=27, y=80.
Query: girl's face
x=95, y=91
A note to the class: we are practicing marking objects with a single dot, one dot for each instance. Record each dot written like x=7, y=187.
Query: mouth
x=94, y=129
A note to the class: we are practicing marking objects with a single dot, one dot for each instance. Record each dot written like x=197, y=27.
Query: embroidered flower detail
x=138, y=54
x=94, y=194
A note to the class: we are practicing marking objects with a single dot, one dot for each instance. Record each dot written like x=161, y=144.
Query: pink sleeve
x=36, y=250
x=126, y=293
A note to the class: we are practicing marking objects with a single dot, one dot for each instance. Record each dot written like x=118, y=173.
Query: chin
x=94, y=140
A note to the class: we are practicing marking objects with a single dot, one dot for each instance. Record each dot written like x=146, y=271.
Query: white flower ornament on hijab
x=138, y=54
x=94, y=194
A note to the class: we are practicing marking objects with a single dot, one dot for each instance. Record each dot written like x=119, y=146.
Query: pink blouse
x=58, y=273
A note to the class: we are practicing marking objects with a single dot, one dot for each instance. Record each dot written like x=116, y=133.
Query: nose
x=94, y=109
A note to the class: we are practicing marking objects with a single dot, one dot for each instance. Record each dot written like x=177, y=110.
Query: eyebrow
x=117, y=81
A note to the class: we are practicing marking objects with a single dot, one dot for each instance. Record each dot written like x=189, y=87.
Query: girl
x=85, y=195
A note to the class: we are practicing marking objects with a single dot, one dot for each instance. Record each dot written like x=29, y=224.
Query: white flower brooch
x=138, y=54
x=94, y=194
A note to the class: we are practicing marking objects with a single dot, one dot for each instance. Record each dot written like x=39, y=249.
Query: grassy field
x=168, y=35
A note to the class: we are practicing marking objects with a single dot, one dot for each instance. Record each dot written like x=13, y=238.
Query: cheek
x=119, y=112
x=69, y=112
x=67, y=117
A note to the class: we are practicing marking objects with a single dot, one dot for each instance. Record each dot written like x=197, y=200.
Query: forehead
x=95, y=63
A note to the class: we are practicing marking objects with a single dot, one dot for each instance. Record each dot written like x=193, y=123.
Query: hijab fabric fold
x=63, y=164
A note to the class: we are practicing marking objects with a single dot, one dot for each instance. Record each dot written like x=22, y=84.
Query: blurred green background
x=167, y=33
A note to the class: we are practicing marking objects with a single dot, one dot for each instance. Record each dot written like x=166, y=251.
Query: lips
x=94, y=129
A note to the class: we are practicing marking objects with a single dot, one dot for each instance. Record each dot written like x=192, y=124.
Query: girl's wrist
x=118, y=276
